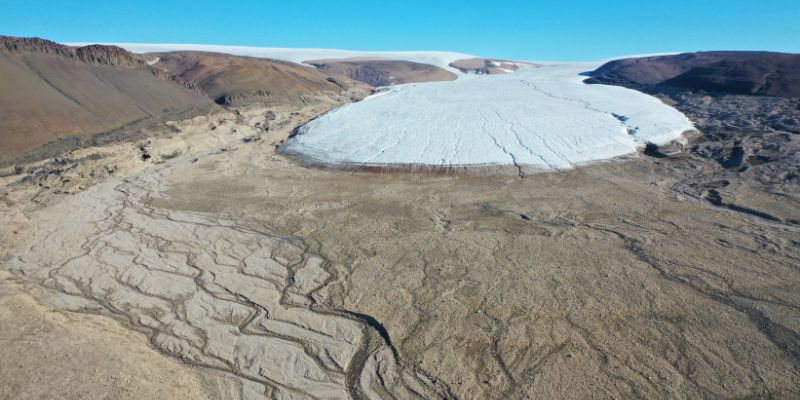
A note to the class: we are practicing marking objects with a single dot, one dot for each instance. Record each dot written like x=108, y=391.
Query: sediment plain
x=628, y=279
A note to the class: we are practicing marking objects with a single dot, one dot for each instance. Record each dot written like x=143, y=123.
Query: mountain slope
x=756, y=73
x=765, y=76
x=237, y=80
x=383, y=72
x=50, y=91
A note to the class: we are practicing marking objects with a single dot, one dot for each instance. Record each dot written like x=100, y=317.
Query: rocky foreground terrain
x=671, y=274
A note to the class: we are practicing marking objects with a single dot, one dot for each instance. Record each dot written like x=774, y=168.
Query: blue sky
x=527, y=30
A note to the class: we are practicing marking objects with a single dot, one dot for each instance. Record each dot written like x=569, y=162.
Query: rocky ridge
x=98, y=54
x=729, y=72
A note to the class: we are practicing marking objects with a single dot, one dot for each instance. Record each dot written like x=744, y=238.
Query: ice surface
x=438, y=58
x=542, y=116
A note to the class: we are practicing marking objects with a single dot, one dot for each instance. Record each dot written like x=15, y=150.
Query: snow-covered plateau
x=543, y=117
x=440, y=59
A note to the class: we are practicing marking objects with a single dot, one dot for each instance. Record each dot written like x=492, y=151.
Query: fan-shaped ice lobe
x=544, y=117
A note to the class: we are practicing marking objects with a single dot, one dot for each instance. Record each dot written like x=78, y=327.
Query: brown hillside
x=732, y=72
x=50, y=91
x=380, y=72
x=235, y=80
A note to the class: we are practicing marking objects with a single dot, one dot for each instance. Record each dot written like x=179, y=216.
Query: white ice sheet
x=542, y=116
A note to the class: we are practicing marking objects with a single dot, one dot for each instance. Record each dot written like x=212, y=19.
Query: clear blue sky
x=529, y=30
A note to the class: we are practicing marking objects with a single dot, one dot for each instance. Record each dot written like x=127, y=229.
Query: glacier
x=542, y=117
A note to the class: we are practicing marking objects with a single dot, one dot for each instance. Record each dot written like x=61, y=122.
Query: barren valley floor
x=652, y=277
